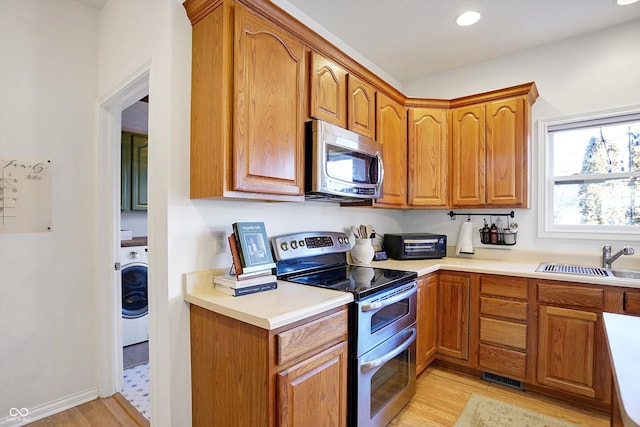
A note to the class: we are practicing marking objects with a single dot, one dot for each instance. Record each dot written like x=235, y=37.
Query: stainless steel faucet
x=607, y=258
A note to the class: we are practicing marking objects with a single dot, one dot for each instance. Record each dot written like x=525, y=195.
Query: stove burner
x=359, y=280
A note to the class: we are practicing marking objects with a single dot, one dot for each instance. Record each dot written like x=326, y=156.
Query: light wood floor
x=440, y=397
x=110, y=412
x=442, y=393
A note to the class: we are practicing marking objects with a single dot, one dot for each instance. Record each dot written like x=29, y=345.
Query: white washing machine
x=134, y=262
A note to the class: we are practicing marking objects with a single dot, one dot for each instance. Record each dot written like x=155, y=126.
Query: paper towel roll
x=465, y=239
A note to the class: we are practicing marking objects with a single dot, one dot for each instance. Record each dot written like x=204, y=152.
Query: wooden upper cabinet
x=269, y=107
x=247, y=108
x=489, y=148
x=391, y=130
x=361, y=115
x=328, y=97
x=506, y=151
x=427, y=147
x=468, y=156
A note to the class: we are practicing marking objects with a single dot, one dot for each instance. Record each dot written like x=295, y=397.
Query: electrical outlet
x=220, y=239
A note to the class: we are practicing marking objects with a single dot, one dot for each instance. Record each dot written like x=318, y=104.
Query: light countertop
x=272, y=309
x=488, y=266
x=291, y=302
x=623, y=338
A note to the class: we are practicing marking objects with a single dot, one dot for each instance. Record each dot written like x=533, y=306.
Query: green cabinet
x=135, y=149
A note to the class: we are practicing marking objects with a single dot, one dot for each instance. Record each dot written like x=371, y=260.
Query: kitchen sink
x=626, y=274
x=582, y=270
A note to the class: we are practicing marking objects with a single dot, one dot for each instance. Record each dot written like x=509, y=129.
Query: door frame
x=109, y=310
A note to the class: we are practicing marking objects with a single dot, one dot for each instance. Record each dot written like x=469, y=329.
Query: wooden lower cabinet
x=567, y=349
x=300, y=386
x=503, y=329
x=243, y=375
x=453, y=316
x=426, y=320
x=572, y=355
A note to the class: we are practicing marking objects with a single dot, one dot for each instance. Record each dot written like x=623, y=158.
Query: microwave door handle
x=380, y=169
x=367, y=366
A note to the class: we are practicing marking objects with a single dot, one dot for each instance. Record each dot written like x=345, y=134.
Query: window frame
x=546, y=227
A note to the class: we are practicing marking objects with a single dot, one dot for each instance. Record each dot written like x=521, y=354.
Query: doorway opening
x=109, y=215
x=134, y=150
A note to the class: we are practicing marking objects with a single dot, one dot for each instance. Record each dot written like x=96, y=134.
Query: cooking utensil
x=356, y=232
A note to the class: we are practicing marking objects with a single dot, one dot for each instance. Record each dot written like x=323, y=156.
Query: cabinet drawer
x=311, y=337
x=508, y=287
x=503, y=308
x=502, y=361
x=578, y=296
x=503, y=333
x=632, y=302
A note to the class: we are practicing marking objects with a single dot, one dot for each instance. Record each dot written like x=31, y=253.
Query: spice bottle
x=494, y=234
x=486, y=232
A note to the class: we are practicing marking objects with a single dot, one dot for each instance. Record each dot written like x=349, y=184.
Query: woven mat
x=481, y=411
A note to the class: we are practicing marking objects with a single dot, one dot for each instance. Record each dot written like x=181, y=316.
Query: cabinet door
x=453, y=316
x=506, y=154
x=139, y=155
x=314, y=392
x=428, y=145
x=328, y=98
x=269, y=107
x=125, y=171
x=361, y=106
x=567, y=349
x=426, y=322
x=392, y=133
x=468, y=156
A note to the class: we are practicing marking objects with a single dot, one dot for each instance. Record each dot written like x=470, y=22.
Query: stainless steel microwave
x=341, y=165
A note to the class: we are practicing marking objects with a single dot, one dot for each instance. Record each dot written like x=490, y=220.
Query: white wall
x=586, y=74
x=48, y=71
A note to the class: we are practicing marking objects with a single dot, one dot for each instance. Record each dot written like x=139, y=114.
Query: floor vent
x=499, y=379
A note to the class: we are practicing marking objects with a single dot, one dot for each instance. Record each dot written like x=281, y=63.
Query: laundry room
x=134, y=255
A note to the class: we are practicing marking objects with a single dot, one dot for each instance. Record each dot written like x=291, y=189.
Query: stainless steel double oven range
x=382, y=329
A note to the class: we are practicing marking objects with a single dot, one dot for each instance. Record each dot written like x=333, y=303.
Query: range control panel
x=299, y=245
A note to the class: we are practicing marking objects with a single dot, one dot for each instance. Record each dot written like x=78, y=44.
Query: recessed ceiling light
x=471, y=17
x=625, y=2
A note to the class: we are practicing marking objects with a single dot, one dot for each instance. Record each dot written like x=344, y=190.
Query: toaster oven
x=415, y=245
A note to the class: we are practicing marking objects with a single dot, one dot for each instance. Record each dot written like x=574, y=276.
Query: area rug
x=134, y=355
x=482, y=411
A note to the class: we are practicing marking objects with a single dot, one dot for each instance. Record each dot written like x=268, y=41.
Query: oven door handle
x=367, y=366
x=377, y=305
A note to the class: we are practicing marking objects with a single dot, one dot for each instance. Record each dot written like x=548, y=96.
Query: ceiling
x=410, y=39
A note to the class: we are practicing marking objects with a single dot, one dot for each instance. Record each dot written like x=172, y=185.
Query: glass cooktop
x=362, y=281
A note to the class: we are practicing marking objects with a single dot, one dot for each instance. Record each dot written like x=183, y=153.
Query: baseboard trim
x=48, y=409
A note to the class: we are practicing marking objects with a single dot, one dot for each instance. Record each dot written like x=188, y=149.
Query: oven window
x=389, y=314
x=348, y=165
x=388, y=381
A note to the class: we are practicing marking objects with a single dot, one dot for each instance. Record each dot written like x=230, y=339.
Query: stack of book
x=252, y=261
x=230, y=285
